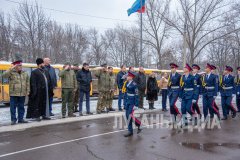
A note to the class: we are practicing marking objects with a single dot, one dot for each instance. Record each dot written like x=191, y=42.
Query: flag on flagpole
x=138, y=6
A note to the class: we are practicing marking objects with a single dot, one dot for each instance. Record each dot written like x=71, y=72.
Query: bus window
x=3, y=80
x=28, y=70
x=57, y=72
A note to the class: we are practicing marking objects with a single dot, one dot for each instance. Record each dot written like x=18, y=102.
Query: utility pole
x=141, y=40
x=185, y=42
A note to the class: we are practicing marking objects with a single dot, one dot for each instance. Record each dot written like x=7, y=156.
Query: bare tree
x=7, y=38
x=155, y=27
x=198, y=19
x=96, y=53
x=31, y=24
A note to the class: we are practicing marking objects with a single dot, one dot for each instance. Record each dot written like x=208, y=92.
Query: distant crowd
x=76, y=84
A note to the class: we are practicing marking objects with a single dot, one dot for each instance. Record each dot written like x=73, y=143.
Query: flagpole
x=141, y=40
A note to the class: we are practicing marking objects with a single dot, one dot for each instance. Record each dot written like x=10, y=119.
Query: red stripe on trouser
x=231, y=105
x=197, y=107
x=215, y=108
x=175, y=107
x=135, y=119
x=193, y=112
x=216, y=105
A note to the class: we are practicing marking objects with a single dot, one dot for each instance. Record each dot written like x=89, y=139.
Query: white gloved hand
x=194, y=101
x=238, y=93
x=135, y=108
x=180, y=99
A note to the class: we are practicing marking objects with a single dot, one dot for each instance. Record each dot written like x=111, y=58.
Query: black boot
x=150, y=105
x=153, y=106
x=139, y=130
x=234, y=114
x=129, y=134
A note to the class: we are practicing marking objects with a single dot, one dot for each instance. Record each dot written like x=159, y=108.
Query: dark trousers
x=87, y=94
x=187, y=106
x=164, y=98
x=130, y=117
x=208, y=105
x=120, y=97
x=196, y=107
x=238, y=102
x=227, y=105
x=141, y=95
x=172, y=101
x=17, y=103
x=50, y=104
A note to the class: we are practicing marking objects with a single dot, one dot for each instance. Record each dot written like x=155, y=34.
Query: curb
x=34, y=124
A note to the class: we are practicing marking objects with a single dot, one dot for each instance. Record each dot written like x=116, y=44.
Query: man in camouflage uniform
x=103, y=88
x=76, y=91
x=69, y=84
x=112, y=88
x=19, y=87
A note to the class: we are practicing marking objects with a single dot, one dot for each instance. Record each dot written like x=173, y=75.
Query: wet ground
x=99, y=139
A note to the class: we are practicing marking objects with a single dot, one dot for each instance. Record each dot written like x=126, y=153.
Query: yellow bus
x=28, y=67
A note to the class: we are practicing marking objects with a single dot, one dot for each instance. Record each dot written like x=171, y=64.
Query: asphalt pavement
x=98, y=138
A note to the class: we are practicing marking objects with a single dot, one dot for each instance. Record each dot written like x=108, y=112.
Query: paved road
x=98, y=139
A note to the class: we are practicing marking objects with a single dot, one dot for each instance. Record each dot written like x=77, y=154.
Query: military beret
x=228, y=68
x=188, y=67
x=195, y=66
x=19, y=62
x=173, y=65
x=209, y=66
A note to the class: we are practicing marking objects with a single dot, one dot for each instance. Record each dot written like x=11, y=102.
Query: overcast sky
x=116, y=9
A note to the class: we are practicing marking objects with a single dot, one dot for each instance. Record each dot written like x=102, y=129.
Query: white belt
x=131, y=95
x=225, y=88
x=198, y=85
x=188, y=89
x=210, y=87
x=164, y=88
x=175, y=87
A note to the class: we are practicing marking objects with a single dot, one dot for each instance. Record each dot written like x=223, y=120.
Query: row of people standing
x=39, y=88
x=190, y=86
x=146, y=87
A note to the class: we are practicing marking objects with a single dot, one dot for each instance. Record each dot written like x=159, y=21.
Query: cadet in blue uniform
x=131, y=103
x=238, y=89
x=217, y=77
x=209, y=92
x=174, y=90
x=197, y=78
x=188, y=93
x=227, y=89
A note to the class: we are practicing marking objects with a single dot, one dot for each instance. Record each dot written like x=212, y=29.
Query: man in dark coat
x=40, y=93
x=120, y=81
x=141, y=81
x=53, y=77
x=84, y=78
